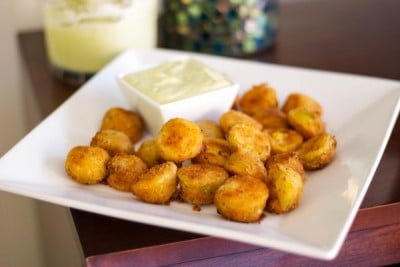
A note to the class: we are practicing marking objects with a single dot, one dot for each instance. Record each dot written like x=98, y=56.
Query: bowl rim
x=121, y=75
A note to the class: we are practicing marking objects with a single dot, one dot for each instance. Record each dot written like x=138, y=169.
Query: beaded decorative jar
x=223, y=27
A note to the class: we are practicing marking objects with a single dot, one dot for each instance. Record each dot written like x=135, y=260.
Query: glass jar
x=223, y=27
x=82, y=36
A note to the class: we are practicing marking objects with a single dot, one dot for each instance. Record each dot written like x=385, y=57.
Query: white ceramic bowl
x=208, y=105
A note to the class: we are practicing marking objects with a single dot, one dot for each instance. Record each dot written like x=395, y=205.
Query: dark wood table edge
x=369, y=225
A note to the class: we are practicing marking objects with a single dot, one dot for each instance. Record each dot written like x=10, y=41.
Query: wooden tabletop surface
x=353, y=36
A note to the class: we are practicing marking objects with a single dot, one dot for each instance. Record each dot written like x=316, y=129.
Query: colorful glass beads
x=223, y=27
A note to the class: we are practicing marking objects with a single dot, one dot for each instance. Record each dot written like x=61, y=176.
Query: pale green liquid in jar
x=83, y=36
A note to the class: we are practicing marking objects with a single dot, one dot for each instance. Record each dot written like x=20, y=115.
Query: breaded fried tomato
x=198, y=182
x=289, y=159
x=179, y=140
x=285, y=182
x=296, y=100
x=124, y=170
x=216, y=151
x=284, y=140
x=233, y=117
x=158, y=184
x=210, y=129
x=248, y=138
x=258, y=97
x=241, y=199
x=115, y=142
x=87, y=164
x=317, y=152
x=123, y=120
x=148, y=152
x=271, y=118
x=245, y=163
x=306, y=122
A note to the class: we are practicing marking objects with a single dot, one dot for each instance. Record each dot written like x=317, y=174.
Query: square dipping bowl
x=194, y=107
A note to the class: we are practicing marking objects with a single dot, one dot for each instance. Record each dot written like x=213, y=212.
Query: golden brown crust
x=232, y=117
x=210, y=129
x=318, y=151
x=284, y=140
x=285, y=186
x=158, y=184
x=258, y=97
x=243, y=163
x=123, y=120
x=306, y=122
x=124, y=170
x=296, y=100
x=115, y=142
x=198, y=182
x=179, y=140
x=86, y=164
x=242, y=199
x=250, y=139
x=216, y=151
x=148, y=152
x=271, y=118
x=289, y=159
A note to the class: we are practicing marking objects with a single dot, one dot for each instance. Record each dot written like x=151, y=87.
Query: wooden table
x=355, y=36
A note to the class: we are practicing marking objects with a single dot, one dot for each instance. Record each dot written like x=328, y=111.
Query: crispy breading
x=210, y=129
x=247, y=138
x=306, y=122
x=148, y=152
x=258, y=97
x=284, y=140
x=198, y=182
x=271, y=118
x=244, y=163
x=317, y=152
x=87, y=164
x=242, y=199
x=232, y=117
x=296, y=100
x=285, y=186
x=115, y=142
x=158, y=184
x=216, y=151
x=123, y=120
x=124, y=170
x=179, y=140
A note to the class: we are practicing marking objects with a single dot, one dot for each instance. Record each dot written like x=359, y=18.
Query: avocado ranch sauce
x=176, y=80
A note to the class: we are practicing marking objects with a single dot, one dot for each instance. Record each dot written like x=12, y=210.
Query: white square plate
x=359, y=111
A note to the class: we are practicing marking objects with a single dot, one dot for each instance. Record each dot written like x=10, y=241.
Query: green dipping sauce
x=177, y=80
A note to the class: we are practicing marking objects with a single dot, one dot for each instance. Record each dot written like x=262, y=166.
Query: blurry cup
x=82, y=36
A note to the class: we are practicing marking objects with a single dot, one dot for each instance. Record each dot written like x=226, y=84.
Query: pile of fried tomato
x=254, y=159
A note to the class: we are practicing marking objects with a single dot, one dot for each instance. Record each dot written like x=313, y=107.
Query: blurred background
x=32, y=233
